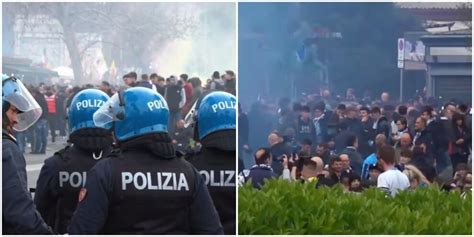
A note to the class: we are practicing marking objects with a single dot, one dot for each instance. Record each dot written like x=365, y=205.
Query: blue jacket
x=19, y=215
x=258, y=174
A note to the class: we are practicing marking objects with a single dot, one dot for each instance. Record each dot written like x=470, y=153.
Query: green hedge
x=281, y=207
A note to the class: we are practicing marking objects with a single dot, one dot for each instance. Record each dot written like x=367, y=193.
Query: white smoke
x=210, y=47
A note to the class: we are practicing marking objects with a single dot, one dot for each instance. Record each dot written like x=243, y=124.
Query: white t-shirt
x=393, y=181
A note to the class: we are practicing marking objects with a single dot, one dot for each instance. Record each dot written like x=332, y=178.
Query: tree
x=126, y=28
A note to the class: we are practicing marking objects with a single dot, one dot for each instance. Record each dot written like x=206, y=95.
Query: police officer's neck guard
x=160, y=144
x=91, y=139
x=222, y=140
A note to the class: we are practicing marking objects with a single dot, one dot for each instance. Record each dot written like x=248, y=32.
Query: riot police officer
x=215, y=123
x=63, y=174
x=19, y=111
x=144, y=188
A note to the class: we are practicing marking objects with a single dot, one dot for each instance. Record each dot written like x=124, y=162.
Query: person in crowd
x=19, y=112
x=350, y=95
x=403, y=143
x=353, y=123
x=309, y=171
x=381, y=124
x=342, y=136
x=50, y=97
x=402, y=128
x=335, y=172
x=61, y=112
x=354, y=156
x=230, y=82
x=355, y=184
x=464, y=110
x=405, y=156
x=320, y=122
x=41, y=126
x=412, y=115
x=416, y=178
x=380, y=140
x=440, y=140
x=423, y=137
x=261, y=171
x=366, y=134
x=384, y=100
x=462, y=135
x=197, y=88
x=335, y=120
x=306, y=149
x=459, y=178
x=176, y=98
x=345, y=162
x=188, y=91
x=159, y=83
x=374, y=172
x=278, y=148
x=145, y=82
x=105, y=87
x=130, y=79
x=421, y=161
x=305, y=127
x=322, y=151
x=216, y=82
x=391, y=180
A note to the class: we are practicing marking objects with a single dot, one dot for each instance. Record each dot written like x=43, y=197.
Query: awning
x=27, y=70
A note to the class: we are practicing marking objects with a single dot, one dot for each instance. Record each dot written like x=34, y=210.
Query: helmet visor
x=107, y=113
x=19, y=97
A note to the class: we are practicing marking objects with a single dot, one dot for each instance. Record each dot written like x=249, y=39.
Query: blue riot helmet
x=134, y=112
x=15, y=93
x=215, y=112
x=82, y=108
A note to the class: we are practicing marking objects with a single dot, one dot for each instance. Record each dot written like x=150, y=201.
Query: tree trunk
x=71, y=43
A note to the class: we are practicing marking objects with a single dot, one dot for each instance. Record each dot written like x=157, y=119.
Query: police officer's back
x=144, y=188
x=63, y=174
x=19, y=112
x=215, y=129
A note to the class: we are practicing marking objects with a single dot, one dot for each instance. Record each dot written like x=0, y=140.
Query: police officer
x=215, y=123
x=144, y=188
x=63, y=174
x=19, y=112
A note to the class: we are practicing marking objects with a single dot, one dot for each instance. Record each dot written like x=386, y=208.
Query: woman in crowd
x=416, y=178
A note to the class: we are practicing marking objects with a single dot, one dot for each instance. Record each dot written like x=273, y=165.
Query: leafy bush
x=281, y=207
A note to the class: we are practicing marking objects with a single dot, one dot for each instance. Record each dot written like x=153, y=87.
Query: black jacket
x=114, y=204
x=277, y=151
x=216, y=163
x=305, y=130
x=19, y=215
x=62, y=176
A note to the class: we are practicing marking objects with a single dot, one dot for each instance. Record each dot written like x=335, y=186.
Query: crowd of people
x=357, y=142
x=138, y=181
x=180, y=93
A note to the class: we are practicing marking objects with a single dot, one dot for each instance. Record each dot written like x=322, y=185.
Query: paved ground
x=35, y=162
